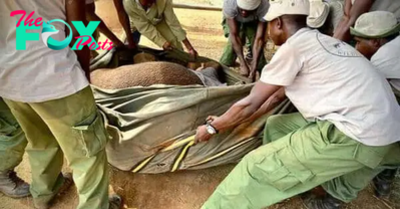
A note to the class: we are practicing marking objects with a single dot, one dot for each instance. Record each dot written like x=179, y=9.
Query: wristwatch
x=211, y=129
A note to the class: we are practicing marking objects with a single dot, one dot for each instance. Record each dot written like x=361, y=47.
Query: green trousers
x=12, y=139
x=71, y=126
x=298, y=156
x=247, y=34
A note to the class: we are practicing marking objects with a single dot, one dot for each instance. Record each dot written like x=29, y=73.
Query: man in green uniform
x=49, y=95
x=243, y=23
x=12, y=148
x=156, y=20
x=381, y=46
x=355, y=8
x=344, y=133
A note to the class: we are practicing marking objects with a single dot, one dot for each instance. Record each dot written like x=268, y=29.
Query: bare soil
x=181, y=190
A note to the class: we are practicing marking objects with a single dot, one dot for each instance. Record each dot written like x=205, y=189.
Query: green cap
x=377, y=24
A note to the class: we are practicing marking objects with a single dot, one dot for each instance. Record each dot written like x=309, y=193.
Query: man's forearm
x=270, y=104
x=247, y=110
x=75, y=10
x=105, y=30
x=237, y=47
x=258, y=46
x=351, y=14
x=187, y=44
x=124, y=20
x=84, y=59
x=257, y=52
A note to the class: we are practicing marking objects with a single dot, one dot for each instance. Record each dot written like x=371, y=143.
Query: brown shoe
x=46, y=203
x=13, y=186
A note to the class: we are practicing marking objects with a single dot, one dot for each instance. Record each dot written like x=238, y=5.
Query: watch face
x=210, y=130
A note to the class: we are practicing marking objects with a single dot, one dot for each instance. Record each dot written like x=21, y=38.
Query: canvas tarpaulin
x=152, y=128
x=144, y=120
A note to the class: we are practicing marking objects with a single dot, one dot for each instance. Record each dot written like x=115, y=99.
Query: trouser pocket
x=93, y=135
x=280, y=169
x=369, y=156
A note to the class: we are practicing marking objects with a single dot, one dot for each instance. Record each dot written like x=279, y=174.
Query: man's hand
x=167, y=46
x=202, y=135
x=193, y=52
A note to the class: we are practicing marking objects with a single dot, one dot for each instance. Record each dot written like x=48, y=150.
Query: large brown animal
x=144, y=74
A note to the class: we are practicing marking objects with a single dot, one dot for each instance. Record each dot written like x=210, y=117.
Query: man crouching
x=346, y=131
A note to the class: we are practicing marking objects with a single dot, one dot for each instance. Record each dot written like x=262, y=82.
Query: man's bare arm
x=262, y=99
x=124, y=20
x=258, y=47
x=75, y=10
x=350, y=16
x=236, y=41
x=92, y=16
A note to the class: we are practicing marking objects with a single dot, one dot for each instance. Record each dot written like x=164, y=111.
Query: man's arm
x=350, y=16
x=263, y=98
x=124, y=20
x=237, y=44
x=75, y=10
x=258, y=47
x=92, y=16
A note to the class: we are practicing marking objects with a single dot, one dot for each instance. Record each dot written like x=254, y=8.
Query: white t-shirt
x=387, y=61
x=326, y=79
x=38, y=73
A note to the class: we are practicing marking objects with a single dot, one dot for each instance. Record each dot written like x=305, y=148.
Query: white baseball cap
x=319, y=11
x=278, y=8
x=377, y=24
x=248, y=5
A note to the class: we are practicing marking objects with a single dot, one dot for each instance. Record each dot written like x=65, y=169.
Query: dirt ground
x=181, y=190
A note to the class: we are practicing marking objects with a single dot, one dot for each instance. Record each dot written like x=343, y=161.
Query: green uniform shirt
x=146, y=21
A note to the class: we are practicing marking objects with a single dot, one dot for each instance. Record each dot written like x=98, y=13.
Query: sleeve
x=173, y=22
x=387, y=63
x=262, y=11
x=283, y=68
x=145, y=27
x=229, y=10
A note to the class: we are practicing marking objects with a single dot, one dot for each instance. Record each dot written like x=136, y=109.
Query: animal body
x=144, y=74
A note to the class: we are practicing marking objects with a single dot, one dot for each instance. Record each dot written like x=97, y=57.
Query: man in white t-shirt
x=354, y=8
x=348, y=125
x=378, y=39
x=49, y=94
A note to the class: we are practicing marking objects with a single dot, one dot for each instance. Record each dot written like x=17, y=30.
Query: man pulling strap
x=343, y=129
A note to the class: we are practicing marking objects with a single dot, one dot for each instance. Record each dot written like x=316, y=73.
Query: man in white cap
x=377, y=36
x=243, y=22
x=343, y=129
x=354, y=8
x=325, y=16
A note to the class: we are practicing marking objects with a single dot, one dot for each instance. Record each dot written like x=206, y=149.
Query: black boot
x=325, y=202
x=115, y=202
x=382, y=182
x=12, y=186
